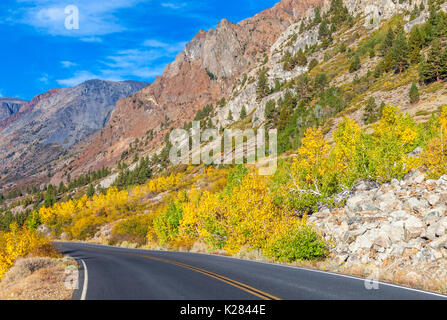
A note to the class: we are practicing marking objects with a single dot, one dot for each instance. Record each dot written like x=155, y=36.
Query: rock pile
x=401, y=224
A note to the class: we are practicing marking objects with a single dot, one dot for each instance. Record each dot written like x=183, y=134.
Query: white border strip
x=84, y=287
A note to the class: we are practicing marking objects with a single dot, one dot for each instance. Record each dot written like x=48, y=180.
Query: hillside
x=356, y=91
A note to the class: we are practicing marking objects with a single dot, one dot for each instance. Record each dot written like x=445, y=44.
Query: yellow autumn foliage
x=18, y=242
x=434, y=156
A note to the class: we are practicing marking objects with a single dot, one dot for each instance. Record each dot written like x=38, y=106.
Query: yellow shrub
x=18, y=242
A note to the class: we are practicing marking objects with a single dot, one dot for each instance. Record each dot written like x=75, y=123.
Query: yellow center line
x=256, y=292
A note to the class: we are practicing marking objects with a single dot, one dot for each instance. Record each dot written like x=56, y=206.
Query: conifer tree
x=399, y=52
x=371, y=112
x=300, y=58
x=414, y=93
x=90, y=190
x=262, y=89
x=243, y=113
x=430, y=69
x=355, y=63
x=387, y=43
x=415, y=43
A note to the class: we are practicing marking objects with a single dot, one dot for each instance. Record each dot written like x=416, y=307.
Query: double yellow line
x=256, y=292
x=261, y=294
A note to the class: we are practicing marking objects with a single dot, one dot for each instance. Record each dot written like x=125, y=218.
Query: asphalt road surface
x=110, y=273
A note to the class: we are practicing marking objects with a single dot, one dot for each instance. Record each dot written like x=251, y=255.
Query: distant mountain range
x=9, y=107
x=37, y=132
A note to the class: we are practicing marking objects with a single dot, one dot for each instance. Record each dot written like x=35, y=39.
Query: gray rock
x=433, y=198
x=416, y=152
x=441, y=242
x=419, y=179
x=383, y=240
x=431, y=217
x=353, y=203
x=414, y=227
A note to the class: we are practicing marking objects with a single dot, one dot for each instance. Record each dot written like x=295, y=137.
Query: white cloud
x=82, y=76
x=154, y=44
x=142, y=63
x=174, y=6
x=95, y=17
x=91, y=39
x=44, y=78
x=68, y=64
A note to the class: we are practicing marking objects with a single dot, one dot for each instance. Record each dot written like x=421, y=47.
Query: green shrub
x=133, y=229
x=300, y=243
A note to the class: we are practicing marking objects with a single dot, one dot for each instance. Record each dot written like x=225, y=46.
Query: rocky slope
x=46, y=126
x=392, y=227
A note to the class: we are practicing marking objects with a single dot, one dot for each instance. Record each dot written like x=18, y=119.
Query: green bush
x=300, y=243
x=166, y=225
x=133, y=229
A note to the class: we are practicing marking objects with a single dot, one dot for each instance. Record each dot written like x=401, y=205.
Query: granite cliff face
x=46, y=126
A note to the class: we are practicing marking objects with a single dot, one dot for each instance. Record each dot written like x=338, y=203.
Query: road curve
x=111, y=273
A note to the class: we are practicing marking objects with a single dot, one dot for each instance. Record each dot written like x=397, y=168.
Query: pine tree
x=371, y=112
x=90, y=190
x=243, y=113
x=430, y=69
x=270, y=109
x=323, y=30
x=387, y=43
x=61, y=187
x=399, y=52
x=230, y=116
x=262, y=89
x=355, y=63
x=287, y=61
x=443, y=65
x=414, y=93
x=302, y=27
x=317, y=18
x=415, y=43
x=300, y=58
x=284, y=116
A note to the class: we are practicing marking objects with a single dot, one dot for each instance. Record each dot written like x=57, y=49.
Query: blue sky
x=116, y=39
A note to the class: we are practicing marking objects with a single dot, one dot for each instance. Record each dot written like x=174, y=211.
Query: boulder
x=414, y=227
x=441, y=242
x=433, y=198
x=382, y=240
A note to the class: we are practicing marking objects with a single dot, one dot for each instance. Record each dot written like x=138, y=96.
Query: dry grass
x=37, y=279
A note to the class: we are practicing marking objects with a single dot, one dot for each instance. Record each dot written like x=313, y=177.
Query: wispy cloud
x=143, y=63
x=68, y=64
x=91, y=39
x=174, y=6
x=95, y=17
x=44, y=78
x=154, y=43
x=79, y=77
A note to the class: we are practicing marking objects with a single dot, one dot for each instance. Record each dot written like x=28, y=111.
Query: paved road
x=117, y=273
